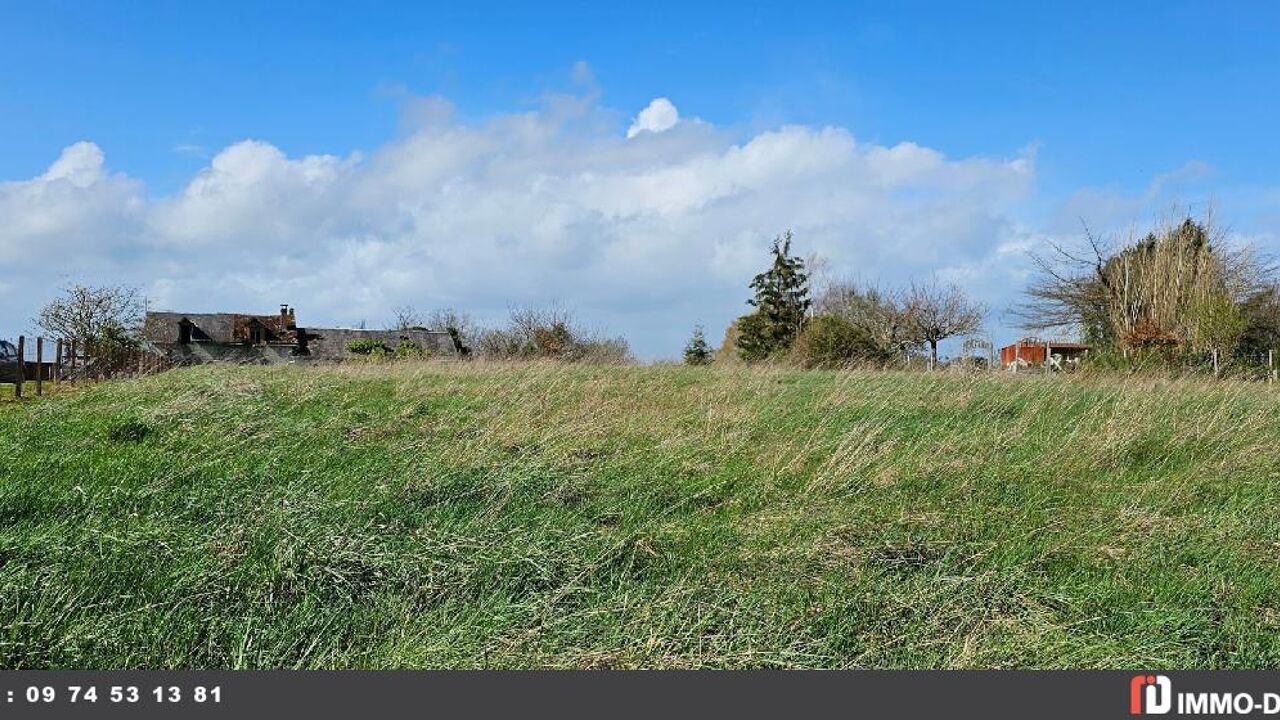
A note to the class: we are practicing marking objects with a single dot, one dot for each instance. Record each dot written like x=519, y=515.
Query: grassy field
x=426, y=515
x=28, y=389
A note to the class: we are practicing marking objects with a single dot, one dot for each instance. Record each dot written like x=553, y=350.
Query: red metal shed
x=1036, y=352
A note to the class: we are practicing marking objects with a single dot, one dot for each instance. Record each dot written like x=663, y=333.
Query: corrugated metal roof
x=1050, y=343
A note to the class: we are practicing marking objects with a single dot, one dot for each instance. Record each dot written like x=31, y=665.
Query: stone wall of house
x=332, y=343
x=200, y=353
x=324, y=345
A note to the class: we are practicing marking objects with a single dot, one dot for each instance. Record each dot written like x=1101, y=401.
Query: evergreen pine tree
x=697, y=351
x=782, y=305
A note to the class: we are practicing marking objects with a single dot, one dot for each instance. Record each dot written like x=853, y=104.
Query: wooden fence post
x=1271, y=373
x=73, y=353
x=57, y=362
x=22, y=366
x=39, y=366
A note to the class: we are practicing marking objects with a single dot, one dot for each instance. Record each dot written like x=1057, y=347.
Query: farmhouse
x=1050, y=354
x=193, y=338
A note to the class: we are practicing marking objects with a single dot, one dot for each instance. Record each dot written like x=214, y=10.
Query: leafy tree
x=728, y=353
x=89, y=314
x=697, y=351
x=103, y=321
x=1219, y=323
x=782, y=305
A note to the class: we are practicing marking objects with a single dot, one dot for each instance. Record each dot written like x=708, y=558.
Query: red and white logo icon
x=1150, y=695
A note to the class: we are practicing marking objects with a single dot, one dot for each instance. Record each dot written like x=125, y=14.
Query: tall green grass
x=472, y=515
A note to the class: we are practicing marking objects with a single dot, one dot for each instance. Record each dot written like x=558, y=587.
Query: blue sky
x=1031, y=115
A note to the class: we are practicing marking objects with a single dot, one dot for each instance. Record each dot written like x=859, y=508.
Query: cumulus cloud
x=73, y=214
x=80, y=165
x=250, y=193
x=658, y=116
x=642, y=238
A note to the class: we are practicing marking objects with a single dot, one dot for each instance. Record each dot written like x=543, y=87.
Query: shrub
x=1219, y=323
x=603, y=351
x=410, y=349
x=831, y=342
x=881, y=315
x=728, y=354
x=554, y=340
x=549, y=335
x=368, y=347
x=112, y=351
x=459, y=345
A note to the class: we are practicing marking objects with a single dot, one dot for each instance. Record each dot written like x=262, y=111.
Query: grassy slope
x=464, y=516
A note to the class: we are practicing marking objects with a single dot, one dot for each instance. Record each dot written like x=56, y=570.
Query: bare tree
x=406, y=317
x=1070, y=293
x=446, y=318
x=87, y=314
x=821, y=278
x=1181, y=286
x=935, y=313
x=461, y=329
x=878, y=313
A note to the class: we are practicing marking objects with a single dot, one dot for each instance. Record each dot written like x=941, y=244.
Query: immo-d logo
x=1154, y=695
x=1150, y=695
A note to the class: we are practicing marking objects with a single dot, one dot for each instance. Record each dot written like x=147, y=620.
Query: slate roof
x=162, y=327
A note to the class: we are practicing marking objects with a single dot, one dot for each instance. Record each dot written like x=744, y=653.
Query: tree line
x=843, y=324
x=1176, y=294
x=1171, y=297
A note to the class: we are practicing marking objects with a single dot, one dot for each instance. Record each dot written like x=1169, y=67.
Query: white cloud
x=74, y=212
x=251, y=193
x=658, y=116
x=642, y=238
x=191, y=150
x=80, y=164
